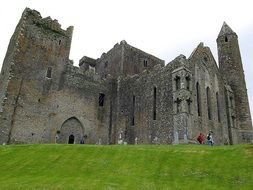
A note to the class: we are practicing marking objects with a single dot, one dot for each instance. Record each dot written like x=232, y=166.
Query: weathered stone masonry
x=125, y=96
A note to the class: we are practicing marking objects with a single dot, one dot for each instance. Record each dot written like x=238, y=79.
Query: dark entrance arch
x=71, y=139
x=71, y=131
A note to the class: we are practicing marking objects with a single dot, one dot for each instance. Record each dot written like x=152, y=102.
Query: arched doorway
x=71, y=139
x=71, y=131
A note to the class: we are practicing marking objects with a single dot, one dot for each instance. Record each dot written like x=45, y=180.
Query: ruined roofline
x=47, y=23
x=201, y=45
x=124, y=43
x=89, y=60
x=134, y=48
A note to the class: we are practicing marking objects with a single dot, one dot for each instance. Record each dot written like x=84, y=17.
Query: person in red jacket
x=201, y=138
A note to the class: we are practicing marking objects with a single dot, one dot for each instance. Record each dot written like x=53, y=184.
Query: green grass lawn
x=126, y=167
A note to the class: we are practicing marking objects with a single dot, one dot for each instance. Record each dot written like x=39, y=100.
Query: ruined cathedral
x=125, y=96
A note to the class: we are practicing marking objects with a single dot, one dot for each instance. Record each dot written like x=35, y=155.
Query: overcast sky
x=164, y=28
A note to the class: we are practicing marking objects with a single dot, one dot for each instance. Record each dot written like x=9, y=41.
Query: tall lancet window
x=209, y=105
x=218, y=106
x=198, y=99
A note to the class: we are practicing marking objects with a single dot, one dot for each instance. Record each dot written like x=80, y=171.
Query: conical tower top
x=225, y=29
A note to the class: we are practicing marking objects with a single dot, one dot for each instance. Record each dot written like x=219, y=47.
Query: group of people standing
x=208, y=139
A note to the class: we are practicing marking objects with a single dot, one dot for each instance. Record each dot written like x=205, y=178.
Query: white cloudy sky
x=164, y=28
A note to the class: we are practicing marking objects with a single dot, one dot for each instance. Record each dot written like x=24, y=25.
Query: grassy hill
x=126, y=167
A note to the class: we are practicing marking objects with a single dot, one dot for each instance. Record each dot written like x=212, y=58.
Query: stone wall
x=125, y=96
x=136, y=100
x=205, y=72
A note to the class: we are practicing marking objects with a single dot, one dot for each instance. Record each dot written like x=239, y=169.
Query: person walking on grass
x=210, y=138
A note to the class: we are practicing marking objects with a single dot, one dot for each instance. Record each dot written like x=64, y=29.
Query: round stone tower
x=231, y=68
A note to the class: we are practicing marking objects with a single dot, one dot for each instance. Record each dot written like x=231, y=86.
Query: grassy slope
x=126, y=167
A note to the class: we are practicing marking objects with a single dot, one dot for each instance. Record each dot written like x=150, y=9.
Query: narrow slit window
x=226, y=39
x=154, y=103
x=209, y=106
x=189, y=105
x=145, y=63
x=233, y=121
x=177, y=79
x=101, y=99
x=231, y=101
x=187, y=82
x=49, y=72
x=133, y=110
x=178, y=104
x=218, y=106
x=198, y=99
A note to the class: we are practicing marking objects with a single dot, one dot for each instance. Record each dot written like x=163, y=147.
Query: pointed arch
x=71, y=131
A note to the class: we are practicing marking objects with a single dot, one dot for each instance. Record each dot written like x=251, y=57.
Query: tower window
x=101, y=99
x=106, y=64
x=49, y=72
x=59, y=42
x=209, y=106
x=226, y=39
x=154, y=103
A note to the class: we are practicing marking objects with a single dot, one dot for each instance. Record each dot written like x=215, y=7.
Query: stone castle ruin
x=125, y=96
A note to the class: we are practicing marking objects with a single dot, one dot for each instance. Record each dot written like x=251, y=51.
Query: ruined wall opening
x=154, y=103
x=198, y=99
x=71, y=139
x=209, y=105
x=70, y=132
